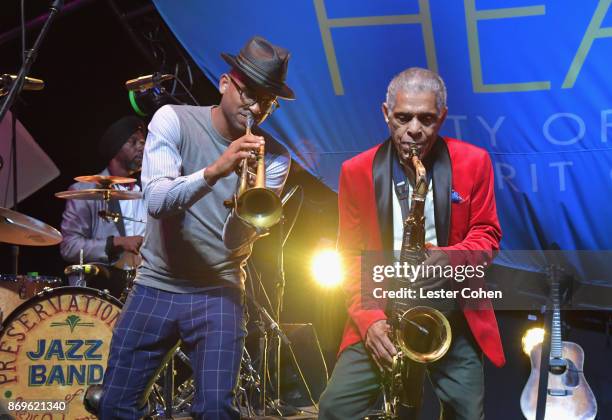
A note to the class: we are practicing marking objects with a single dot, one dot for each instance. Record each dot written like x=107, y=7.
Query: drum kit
x=52, y=335
x=19, y=229
x=57, y=339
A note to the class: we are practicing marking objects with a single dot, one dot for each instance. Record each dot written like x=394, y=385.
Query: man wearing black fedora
x=190, y=285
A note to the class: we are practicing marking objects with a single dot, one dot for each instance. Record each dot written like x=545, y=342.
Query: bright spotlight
x=327, y=268
x=531, y=338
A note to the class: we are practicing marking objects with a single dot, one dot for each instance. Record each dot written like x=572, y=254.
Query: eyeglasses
x=267, y=103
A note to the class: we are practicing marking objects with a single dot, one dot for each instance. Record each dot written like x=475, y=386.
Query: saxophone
x=421, y=334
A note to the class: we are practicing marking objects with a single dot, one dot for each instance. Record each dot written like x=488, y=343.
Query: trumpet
x=258, y=206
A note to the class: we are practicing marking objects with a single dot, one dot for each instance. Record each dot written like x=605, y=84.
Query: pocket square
x=455, y=197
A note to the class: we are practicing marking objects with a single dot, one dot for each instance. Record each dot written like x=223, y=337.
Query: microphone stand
x=282, y=238
x=266, y=325
x=9, y=100
x=30, y=56
x=280, y=284
x=280, y=292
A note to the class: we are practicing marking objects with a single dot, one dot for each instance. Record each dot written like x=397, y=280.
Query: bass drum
x=16, y=289
x=52, y=347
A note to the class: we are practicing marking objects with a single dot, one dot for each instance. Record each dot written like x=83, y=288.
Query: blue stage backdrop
x=528, y=80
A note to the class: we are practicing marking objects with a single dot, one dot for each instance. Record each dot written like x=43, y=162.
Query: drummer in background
x=105, y=241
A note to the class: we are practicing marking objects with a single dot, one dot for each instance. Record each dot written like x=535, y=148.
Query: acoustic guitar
x=569, y=396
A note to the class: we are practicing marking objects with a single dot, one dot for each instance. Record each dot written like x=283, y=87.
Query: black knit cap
x=117, y=135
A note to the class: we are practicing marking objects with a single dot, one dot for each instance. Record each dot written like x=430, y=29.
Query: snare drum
x=118, y=282
x=53, y=347
x=15, y=289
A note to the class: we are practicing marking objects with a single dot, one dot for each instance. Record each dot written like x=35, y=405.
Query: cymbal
x=105, y=180
x=99, y=194
x=19, y=229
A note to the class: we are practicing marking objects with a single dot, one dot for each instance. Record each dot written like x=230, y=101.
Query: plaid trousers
x=211, y=325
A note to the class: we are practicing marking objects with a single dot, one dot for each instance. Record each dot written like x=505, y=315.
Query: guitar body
x=569, y=395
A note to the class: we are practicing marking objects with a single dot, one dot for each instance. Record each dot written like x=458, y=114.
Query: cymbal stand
x=81, y=278
x=250, y=382
x=15, y=248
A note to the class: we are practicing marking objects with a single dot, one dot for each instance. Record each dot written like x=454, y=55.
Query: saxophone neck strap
x=401, y=186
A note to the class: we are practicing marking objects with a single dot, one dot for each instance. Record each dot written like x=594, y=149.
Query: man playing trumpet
x=190, y=285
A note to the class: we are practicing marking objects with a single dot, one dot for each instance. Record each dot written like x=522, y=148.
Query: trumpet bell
x=259, y=207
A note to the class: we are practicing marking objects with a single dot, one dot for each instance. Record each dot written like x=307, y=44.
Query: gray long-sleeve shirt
x=192, y=241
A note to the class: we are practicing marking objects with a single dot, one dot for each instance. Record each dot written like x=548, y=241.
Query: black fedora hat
x=264, y=64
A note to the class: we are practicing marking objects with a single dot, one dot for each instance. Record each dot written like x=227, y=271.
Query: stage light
x=327, y=268
x=531, y=338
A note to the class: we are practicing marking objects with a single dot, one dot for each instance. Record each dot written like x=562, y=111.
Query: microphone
x=148, y=81
x=147, y=95
x=29, y=83
x=109, y=216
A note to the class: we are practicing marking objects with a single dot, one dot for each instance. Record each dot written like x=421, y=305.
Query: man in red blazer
x=461, y=222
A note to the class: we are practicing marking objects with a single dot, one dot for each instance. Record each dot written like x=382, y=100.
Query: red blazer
x=468, y=223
